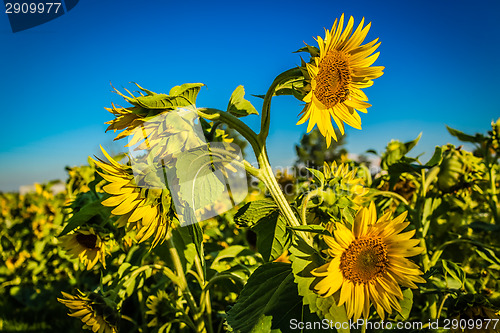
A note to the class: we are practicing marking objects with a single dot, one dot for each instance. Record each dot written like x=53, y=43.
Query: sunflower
x=97, y=313
x=476, y=309
x=145, y=107
x=161, y=308
x=337, y=74
x=346, y=181
x=369, y=263
x=87, y=245
x=143, y=209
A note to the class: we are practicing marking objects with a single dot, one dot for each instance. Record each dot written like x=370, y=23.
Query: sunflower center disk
x=88, y=241
x=364, y=260
x=333, y=79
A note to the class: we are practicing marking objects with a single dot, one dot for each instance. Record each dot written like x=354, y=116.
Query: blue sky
x=440, y=58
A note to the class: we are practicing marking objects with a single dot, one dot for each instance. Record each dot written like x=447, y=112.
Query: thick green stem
x=441, y=306
x=421, y=221
x=183, y=286
x=234, y=123
x=265, y=173
x=275, y=190
x=205, y=305
x=389, y=194
x=493, y=190
x=266, y=107
x=205, y=296
x=308, y=197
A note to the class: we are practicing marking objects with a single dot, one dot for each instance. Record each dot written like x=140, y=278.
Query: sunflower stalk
x=183, y=285
x=422, y=226
x=264, y=172
x=266, y=107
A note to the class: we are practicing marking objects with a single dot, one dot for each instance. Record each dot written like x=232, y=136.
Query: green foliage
x=197, y=180
x=179, y=96
x=269, y=292
x=264, y=218
x=238, y=106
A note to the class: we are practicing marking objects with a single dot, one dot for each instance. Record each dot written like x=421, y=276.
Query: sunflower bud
x=458, y=169
x=451, y=172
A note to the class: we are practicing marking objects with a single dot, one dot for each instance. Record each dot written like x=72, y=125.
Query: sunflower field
x=183, y=234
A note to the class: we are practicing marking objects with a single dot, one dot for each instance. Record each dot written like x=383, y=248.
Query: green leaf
x=318, y=176
x=406, y=305
x=187, y=90
x=124, y=269
x=294, y=87
x=88, y=212
x=148, y=92
x=346, y=213
x=455, y=271
x=134, y=282
x=478, y=138
x=410, y=144
x=179, y=96
x=436, y=158
x=313, y=50
x=270, y=291
x=196, y=235
x=483, y=226
x=402, y=167
x=184, y=245
x=273, y=238
x=227, y=255
x=238, y=106
x=252, y=212
x=488, y=255
x=160, y=102
x=263, y=325
x=201, y=184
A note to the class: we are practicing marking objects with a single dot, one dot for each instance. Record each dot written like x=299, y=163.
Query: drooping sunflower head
x=474, y=308
x=161, y=308
x=145, y=210
x=96, y=312
x=337, y=74
x=87, y=245
x=149, y=104
x=369, y=263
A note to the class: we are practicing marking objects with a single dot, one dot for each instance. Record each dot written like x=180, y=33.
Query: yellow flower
x=16, y=261
x=337, y=76
x=86, y=245
x=369, y=263
x=145, y=210
x=93, y=310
